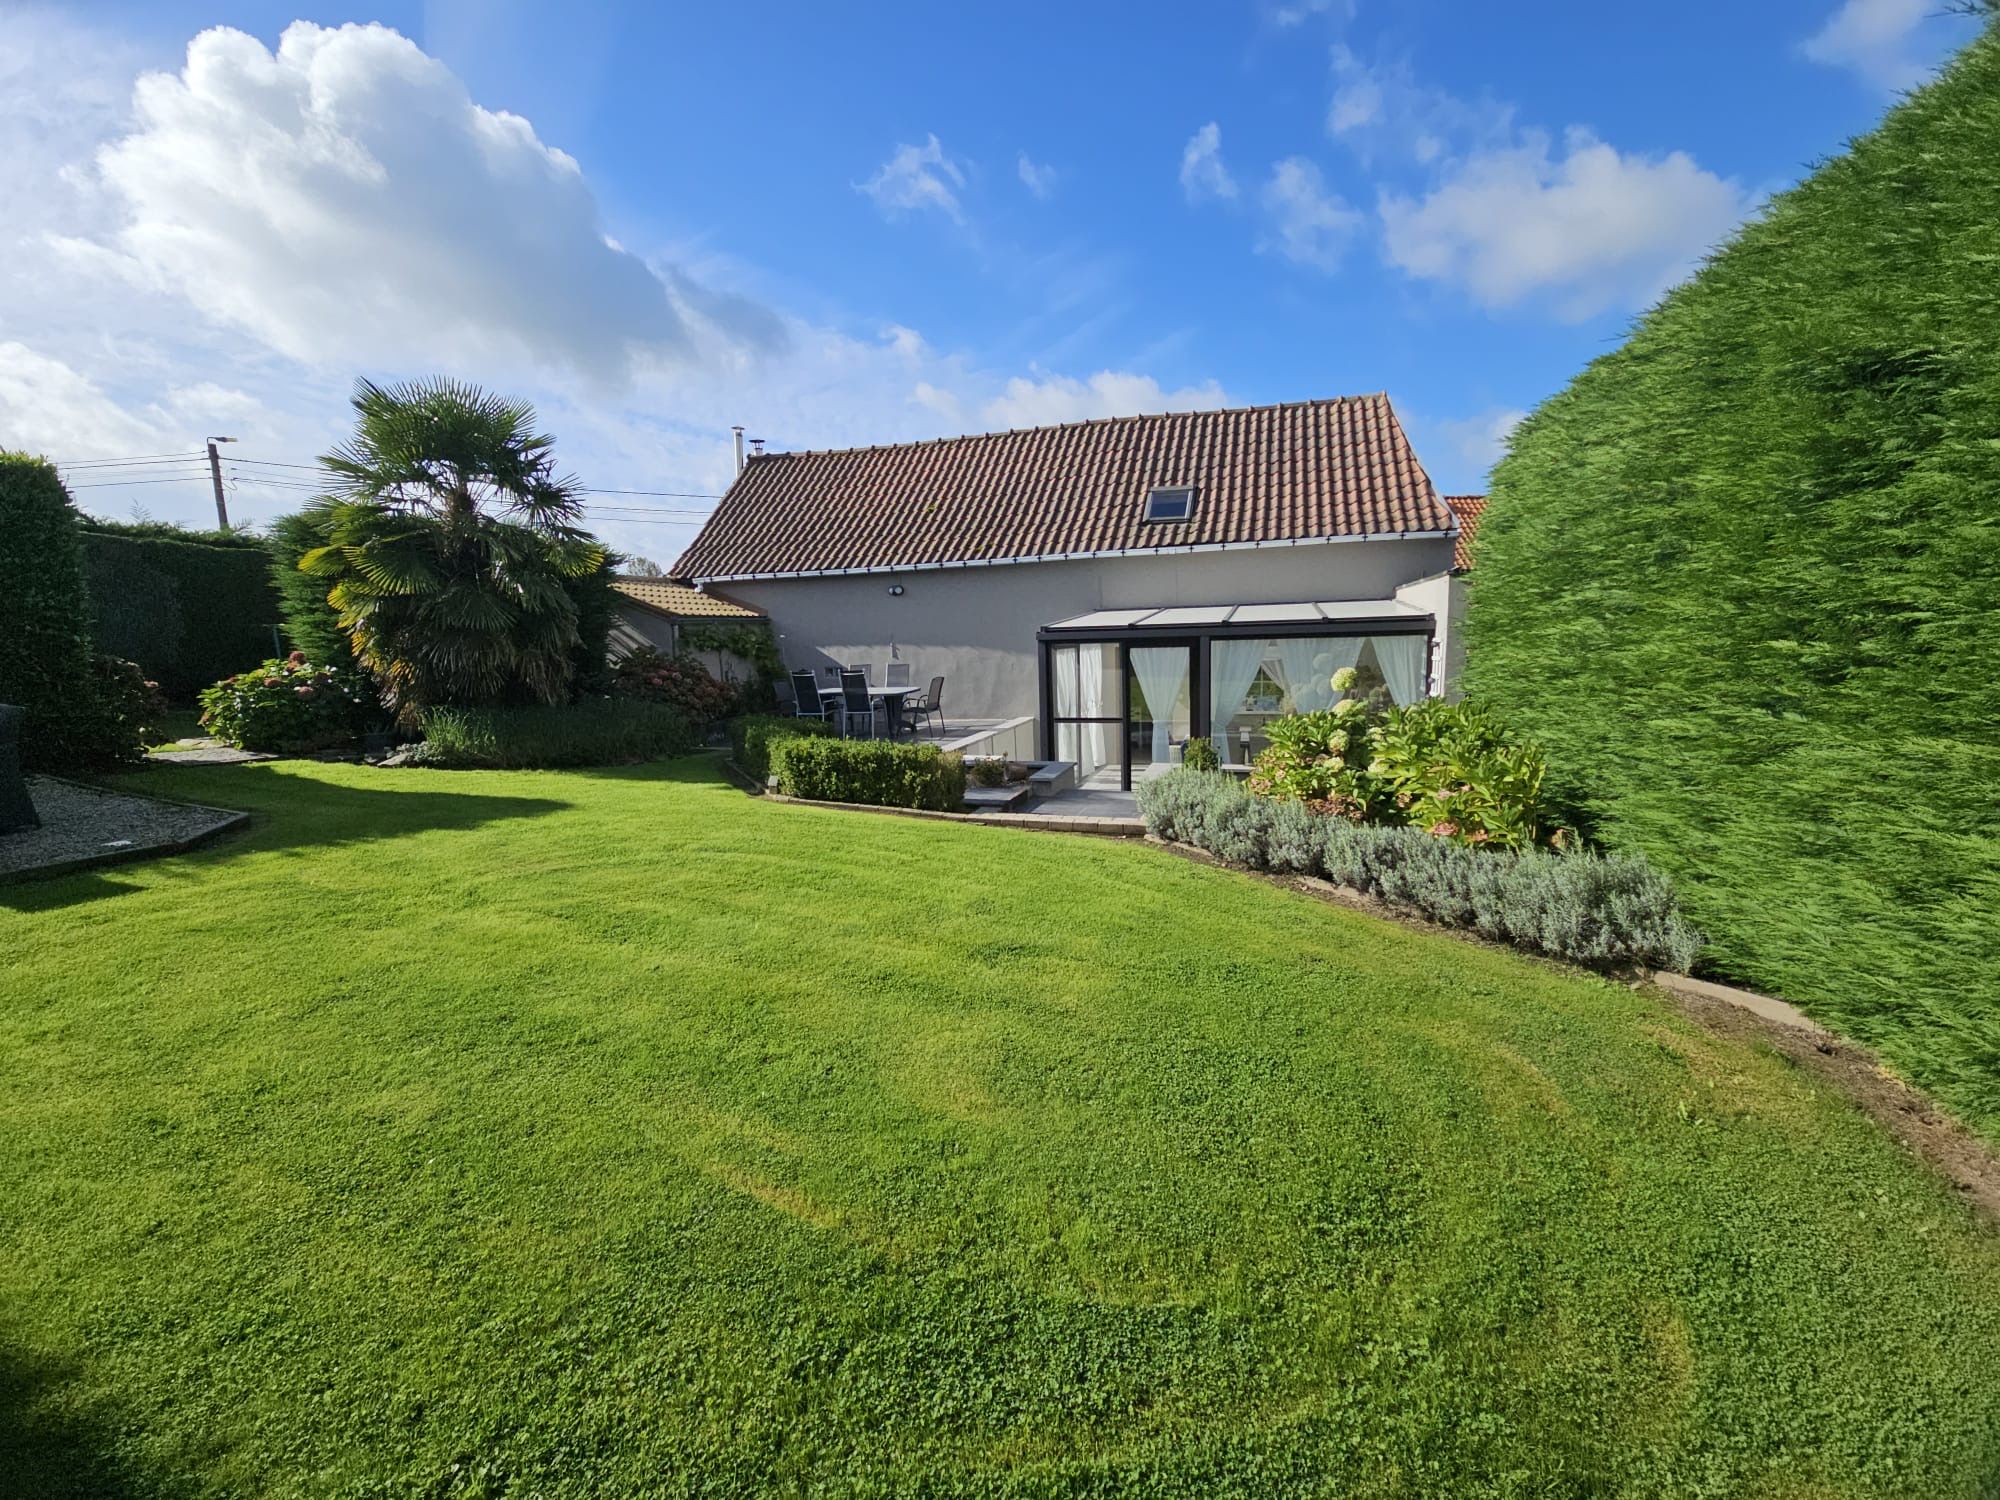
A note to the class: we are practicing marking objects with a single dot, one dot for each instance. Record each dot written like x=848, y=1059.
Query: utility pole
x=215, y=476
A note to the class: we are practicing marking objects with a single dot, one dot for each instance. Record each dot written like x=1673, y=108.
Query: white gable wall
x=976, y=626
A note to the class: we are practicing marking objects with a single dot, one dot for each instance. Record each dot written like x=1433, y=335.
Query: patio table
x=891, y=698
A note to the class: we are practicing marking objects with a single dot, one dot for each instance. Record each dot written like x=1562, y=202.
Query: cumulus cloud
x=110, y=347
x=1054, y=399
x=1038, y=178
x=1877, y=40
x=1308, y=225
x=1590, y=226
x=1203, y=174
x=916, y=178
x=343, y=197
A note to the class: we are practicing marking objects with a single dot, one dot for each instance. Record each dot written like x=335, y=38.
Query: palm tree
x=449, y=541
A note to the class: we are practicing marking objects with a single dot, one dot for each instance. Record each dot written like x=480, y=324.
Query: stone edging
x=230, y=819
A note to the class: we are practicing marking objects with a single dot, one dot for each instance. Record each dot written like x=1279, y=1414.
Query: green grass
x=175, y=724
x=618, y=1133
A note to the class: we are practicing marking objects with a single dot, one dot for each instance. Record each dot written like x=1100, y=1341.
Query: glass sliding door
x=1160, y=692
x=1088, y=704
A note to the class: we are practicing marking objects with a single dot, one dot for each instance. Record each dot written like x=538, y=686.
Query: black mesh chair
x=810, y=705
x=931, y=705
x=856, y=700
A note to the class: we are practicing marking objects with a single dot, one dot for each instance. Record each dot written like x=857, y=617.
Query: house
x=1468, y=509
x=656, y=613
x=1122, y=583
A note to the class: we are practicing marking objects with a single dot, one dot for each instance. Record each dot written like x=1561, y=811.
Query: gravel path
x=83, y=823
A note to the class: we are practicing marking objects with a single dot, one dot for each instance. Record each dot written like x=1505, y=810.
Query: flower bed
x=1606, y=911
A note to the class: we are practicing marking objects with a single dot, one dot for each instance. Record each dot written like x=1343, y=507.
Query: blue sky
x=851, y=224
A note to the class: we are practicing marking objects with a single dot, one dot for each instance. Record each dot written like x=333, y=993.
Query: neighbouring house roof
x=1333, y=470
x=1468, y=509
x=680, y=602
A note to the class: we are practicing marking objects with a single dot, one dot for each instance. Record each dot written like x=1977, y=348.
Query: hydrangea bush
x=1448, y=768
x=290, y=706
x=680, y=682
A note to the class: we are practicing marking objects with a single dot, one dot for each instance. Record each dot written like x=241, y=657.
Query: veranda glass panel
x=1252, y=682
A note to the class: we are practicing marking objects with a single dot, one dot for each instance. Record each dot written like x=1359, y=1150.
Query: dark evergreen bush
x=311, y=624
x=189, y=607
x=80, y=707
x=1742, y=581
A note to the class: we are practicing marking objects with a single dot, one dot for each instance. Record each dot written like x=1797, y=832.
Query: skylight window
x=1169, y=503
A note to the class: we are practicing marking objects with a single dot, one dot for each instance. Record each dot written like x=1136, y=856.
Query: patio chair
x=866, y=669
x=896, y=674
x=810, y=705
x=931, y=705
x=856, y=699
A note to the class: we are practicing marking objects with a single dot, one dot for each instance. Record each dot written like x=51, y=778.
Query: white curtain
x=1308, y=664
x=1163, y=676
x=1404, y=660
x=1092, y=662
x=1232, y=667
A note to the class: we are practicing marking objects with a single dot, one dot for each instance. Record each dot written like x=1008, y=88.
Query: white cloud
x=1203, y=174
x=1054, y=399
x=106, y=353
x=1591, y=227
x=1309, y=226
x=344, y=197
x=1297, y=12
x=916, y=178
x=1479, y=442
x=1038, y=178
x=1877, y=40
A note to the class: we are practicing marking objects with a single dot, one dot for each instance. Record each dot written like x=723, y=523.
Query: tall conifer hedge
x=1742, y=579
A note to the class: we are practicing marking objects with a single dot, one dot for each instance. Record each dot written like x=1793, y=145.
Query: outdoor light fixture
x=896, y=589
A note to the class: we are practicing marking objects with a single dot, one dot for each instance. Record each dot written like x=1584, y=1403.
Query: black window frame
x=1200, y=638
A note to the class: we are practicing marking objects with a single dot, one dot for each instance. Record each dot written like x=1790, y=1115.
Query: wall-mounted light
x=896, y=590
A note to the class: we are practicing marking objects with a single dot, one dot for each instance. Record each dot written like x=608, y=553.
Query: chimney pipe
x=739, y=448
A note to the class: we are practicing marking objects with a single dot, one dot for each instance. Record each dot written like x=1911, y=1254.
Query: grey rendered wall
x=976, y=626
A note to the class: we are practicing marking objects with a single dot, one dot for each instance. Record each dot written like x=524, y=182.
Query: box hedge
x=190, y=607
x=752, y=736
x=1742, y=580
x=880, y=772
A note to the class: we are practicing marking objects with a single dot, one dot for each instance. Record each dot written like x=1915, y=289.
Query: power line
x=113, y=484
x=104, y=463
x=663, y=494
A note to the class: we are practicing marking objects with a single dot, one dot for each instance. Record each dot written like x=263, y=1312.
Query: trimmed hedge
x=1604, y=911
x=593, y=732
x=189, y=607
x=83, y=709
x=752, y=736
x=1742, y=579
x=881, y=772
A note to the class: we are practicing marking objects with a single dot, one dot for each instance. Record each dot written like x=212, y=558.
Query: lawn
x=618, y=1133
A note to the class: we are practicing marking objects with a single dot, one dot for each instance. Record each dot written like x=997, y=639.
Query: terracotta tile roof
x=1468, y=509
x=1314, y=469
x=682, y=602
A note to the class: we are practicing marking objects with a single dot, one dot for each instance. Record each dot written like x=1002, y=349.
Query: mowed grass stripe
x=619, y=1133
